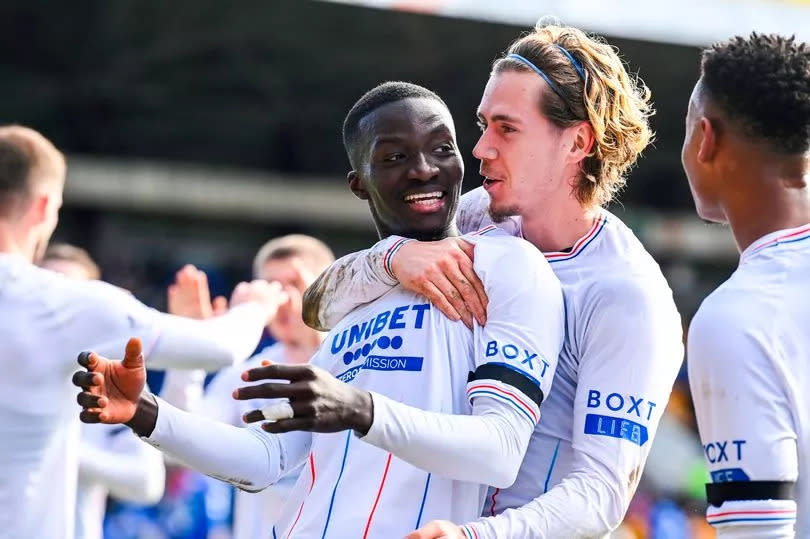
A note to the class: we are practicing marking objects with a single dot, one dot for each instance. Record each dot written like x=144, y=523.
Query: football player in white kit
x=747, y=156
x=111, y=460
x=394, y=352
x=294, y=261
x=46, y=317
x=561, y=123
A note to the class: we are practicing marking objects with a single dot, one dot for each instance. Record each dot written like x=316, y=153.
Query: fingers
x=446, y=294
x=274, y=371
x=133, y=358
x=219, y=305
x=88, y=360
x=467, y=247
x=271, y=390
x=86, y=380
x=431, y=530
x=87, y=416
x=472, y=291
x=88, y=400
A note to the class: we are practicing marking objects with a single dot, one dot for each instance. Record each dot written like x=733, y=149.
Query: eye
x=447, y=147
x=390, y=158
x=507, y=129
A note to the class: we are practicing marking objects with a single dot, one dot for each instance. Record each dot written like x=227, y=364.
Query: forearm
x=248, y=458
x=350, y=281
x=582, y=505
x=209, y=344
x=137, y=476
x=486, y=448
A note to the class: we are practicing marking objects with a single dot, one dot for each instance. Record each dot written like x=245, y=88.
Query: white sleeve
x=631, y=353
x=248, y=458
x=515, y=358
x=129, y=468
x=745, y=422
x=112, y=316
x=486, y=447
x=351, y=281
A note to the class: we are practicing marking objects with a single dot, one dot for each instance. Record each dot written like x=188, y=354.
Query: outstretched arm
x=113, y=392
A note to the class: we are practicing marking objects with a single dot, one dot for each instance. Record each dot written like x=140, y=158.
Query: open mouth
x=425, y=202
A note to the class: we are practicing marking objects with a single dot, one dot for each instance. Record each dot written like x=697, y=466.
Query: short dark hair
x=387, y=92
x=762, y=82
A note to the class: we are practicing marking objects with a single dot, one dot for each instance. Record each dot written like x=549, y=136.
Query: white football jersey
x=254, y=513
x=404, y=348
x=113, y=461
x=46, y=319
x=749, y=369
x=623, y=349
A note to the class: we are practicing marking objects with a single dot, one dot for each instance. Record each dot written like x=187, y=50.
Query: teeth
x=423, y=196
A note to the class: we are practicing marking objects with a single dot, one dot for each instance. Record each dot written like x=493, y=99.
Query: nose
x=483, y=149
x=423, y=168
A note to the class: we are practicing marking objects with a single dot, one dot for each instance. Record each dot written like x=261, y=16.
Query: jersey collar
x=780, y=237
x=580, y=244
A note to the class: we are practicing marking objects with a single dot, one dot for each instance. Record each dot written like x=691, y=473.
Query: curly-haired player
x=561, y=123
x=747, y=157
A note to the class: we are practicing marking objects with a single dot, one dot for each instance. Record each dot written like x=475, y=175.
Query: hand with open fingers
x=270, y=296
x=442, y=271
x=315, y=401
x=190, y=296
x=438, y=529
x=110, y=388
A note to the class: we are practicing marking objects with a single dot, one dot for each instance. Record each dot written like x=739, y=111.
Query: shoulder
x=473, y=213
x=500, y=257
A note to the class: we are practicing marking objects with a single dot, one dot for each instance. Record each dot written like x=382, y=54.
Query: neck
x=12, y=242
x=423, y=235
x=767, y=196
x=556, y=225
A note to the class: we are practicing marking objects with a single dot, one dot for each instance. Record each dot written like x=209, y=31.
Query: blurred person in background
x=45, y=318
x=746, y=154
x=294, y=261
x=561, y=123
x=112, y=462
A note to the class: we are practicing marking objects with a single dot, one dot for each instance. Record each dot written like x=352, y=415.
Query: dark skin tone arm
x=113, y=392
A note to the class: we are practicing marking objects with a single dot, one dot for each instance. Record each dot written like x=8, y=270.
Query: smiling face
x=409, y=168
x=522, y=153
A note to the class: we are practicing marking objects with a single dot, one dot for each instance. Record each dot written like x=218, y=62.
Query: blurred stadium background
x=196, y=130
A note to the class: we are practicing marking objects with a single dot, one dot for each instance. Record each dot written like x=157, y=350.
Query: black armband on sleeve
x=512, y=377
x=738, y=491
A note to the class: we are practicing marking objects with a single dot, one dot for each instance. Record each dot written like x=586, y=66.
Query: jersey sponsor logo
x=616, y=402
x=729, y=474
x=517, y=355
x=724, y=451
x=383, y=363
x=615, y=427
x=403, y=317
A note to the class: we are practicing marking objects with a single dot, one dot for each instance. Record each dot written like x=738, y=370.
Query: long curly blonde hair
x=616, y=105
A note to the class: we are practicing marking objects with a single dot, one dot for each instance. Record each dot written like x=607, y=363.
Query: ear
x=582, y=143
x=356, y=185
x=39, y=207
x=708, y=140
